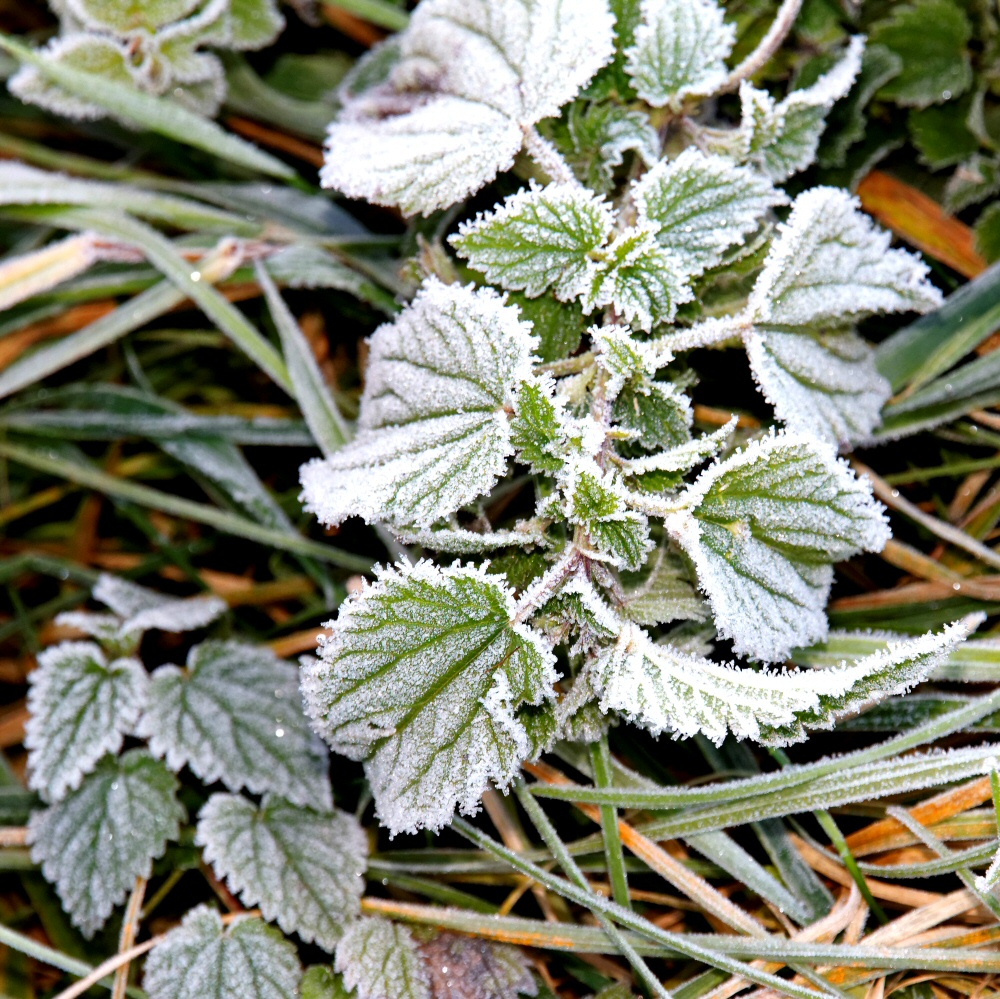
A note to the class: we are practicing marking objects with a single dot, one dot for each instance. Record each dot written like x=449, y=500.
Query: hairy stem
x=770, y=43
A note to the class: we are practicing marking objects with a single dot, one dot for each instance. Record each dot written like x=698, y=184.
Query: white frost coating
x=420, y=676
x=782, y=138
x=433, y=434
x=623, y=357
x=680, y=50
x=80, y=707
x=831, y=264
x=685, y=456
x=143, y=610
x=539, y=239
x=989, y=880
x=473, y=75
x=642, y=281
x=763, y=528
x=664, y=595
x=94, y=843
x=303, y=867
x=235, y=715
x=826, y=385
x=203, y=959
x=664, y=689
x=380, y=959
x=461, y=541
x=701, y=205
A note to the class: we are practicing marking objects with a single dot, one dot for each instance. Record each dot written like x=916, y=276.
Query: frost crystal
x=94, y=843
x=472, y=76
x=303, y=867
x=202, y=959
x=433, y=435
x=381, y=961
x=680, y=50
x=235, y=715
x=81, y=707
x=420, y=676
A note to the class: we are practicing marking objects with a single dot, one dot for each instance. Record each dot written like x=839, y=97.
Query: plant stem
x=769, y=44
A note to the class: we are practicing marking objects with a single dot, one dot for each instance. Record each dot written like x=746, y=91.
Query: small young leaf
x=622, y=357
x=781, y=139
x=463, y=967
x=539, y=239
x=680, y=49
x=234, y=714
x=420, y=676
x=304, y=867
x=81, y=706
x=830, y=264
x=380, y=960
x=538, y=430
x=433, y=435
x=252, y=24
x=642, y=281
x=824, y=384
x=122, y=16
x=659, y=412
x=931, y=39
x=763, y=527
x=321, y=982
x=662, y=592
x=453, y=110
x=94, y=843
x=203, y=959
x=701, y=205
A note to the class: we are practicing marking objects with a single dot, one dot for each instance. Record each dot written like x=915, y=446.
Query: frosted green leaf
x=701, y=205
x=683, y=457
x=433, y=434
x=680, y=49
x=203, y=959
x=539, y=239
x=252, y=24
x=321, y=982
x=559, y=326
x=94, y=843
x=538, y=429
x=663, y=689
x=830, y=264
x=825, y=384
x=661, y=592
x=303, y=867
x=594, y=138
x=100, y=54
x=420, y=676
x=380, y=960
x=642, y=281
x=465, y=542
x=597, y=502
x=462, y=967
x=659, y=412
x=973, y=181
x=80, y=706
x=452, y=112
x=782, y=138
x=122, y=16
x=235, y=715
x=175, y=47
x=763, y=528
x=623, y=357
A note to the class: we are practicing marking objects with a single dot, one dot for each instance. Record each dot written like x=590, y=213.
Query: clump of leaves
x=161, y=48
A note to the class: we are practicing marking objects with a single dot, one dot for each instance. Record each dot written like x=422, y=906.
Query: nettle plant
x=647, y=228
x=156, y=46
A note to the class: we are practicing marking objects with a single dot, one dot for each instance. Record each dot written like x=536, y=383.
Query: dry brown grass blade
x=126, y=940
x=308, y=152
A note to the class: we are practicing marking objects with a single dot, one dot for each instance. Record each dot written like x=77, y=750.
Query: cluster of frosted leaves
x=433, y=434
x=303, y=867
x=81, y=706
x=421, y=676
x=154, y=47
x=136, y=610
x=205, y=959
x=234, y=715
x=664, y=689
x=100, y=837
x=679, y=50
x=469, y=77
x=562, y=238
x=763, y=528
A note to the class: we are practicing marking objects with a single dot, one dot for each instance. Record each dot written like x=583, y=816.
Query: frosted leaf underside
x=462, y=967
x=380, y=960
x=420, y=676
x=235, y=715
x=94, y=843
x=303, y=867
x=202, y=959
x=472, y=75
x=763, y=529
x=433, y=435
x=81, y=707
x=142, y=609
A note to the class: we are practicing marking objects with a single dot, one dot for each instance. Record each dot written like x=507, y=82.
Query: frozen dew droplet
x=279, y=732
x=894, y=494
x=195, y=275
